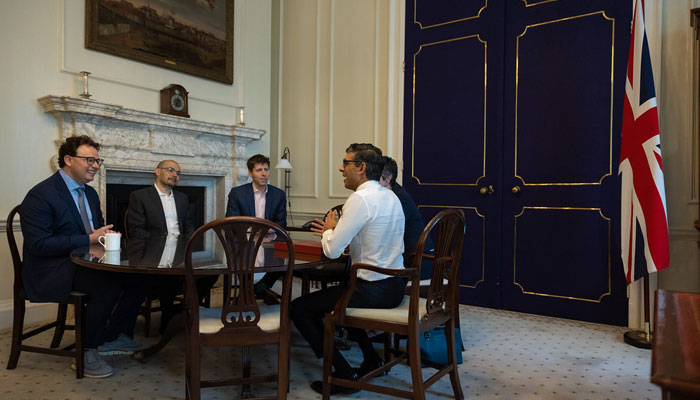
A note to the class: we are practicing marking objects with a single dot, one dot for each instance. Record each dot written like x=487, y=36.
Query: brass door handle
x=516, y=189
x=486, y=190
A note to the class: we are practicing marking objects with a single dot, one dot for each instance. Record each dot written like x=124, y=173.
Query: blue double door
x=513, y=114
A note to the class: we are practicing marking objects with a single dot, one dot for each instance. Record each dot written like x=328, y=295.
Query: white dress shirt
x=372, y=224
x=170, y=210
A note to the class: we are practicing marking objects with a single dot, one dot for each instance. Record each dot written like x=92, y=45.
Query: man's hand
x=318, y=226
x=94, y=236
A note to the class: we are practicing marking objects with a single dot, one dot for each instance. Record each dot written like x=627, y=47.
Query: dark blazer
x=51, y=227
x=414, y=221
x=241, y=202
x=146, y=218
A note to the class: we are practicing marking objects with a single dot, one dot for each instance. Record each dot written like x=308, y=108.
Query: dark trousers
x=113, y=303
x=308, y=312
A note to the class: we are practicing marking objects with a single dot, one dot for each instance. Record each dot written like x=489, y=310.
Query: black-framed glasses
x=346, y=162
x=171, y=170
x=92, y=160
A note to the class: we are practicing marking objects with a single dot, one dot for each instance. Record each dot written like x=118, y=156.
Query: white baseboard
x=35, y=313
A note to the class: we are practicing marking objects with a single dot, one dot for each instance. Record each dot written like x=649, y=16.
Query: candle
x=240, y=116
x=86, y=94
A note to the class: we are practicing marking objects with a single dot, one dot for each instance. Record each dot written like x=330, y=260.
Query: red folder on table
x=302, y=246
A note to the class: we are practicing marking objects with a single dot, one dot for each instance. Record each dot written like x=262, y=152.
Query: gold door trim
x=538, y=3
x=612, y=82
x=483, y=241
x=515, y=238
x=420, y=25
x=413, y=115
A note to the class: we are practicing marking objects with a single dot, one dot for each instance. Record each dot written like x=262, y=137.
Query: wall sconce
x=286, y=165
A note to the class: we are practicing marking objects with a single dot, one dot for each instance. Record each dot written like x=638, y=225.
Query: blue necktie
x=83, y=210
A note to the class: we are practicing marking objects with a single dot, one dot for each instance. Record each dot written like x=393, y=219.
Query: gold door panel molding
x=531, y=3
x=478, y=7
x=566, y=262
x=551, y=127
x=443, y=98
x=481, y=279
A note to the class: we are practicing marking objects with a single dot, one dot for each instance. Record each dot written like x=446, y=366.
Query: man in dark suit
x=414, y=222
x=58, y=215
x=262, y=200
x=161, y=211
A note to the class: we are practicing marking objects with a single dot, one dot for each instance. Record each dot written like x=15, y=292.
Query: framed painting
x=194, y=37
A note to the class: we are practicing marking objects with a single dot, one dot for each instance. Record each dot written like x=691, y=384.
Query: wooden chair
x=242, y=321
x=413, y=316
x=78, y=300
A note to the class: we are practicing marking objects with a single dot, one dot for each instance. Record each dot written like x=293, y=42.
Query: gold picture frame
x=193, y=37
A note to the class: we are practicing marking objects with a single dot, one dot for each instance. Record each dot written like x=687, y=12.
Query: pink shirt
x=260, y=201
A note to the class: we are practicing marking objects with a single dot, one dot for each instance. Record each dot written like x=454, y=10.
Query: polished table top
x=166, y=256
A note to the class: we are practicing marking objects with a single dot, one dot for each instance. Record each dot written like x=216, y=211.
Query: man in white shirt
x=372, y=224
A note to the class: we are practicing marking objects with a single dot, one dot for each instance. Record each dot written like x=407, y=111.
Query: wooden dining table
x=165, y=256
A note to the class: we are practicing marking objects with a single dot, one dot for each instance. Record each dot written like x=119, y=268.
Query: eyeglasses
x=171, y=170
x=92, y=160
x=346, y=162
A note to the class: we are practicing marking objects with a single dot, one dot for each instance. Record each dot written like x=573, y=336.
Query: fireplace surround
x=132, y=142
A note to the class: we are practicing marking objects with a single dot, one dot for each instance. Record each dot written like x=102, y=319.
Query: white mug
x=111, y=257
x=110, y=241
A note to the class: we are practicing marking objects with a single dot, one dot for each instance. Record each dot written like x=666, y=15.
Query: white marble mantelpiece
x=132, y=142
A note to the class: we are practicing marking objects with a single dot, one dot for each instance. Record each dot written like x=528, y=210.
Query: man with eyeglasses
x=372, y=225
x=57, y=216
x=159, y=210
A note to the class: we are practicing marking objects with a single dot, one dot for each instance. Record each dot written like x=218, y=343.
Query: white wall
x=43, y=51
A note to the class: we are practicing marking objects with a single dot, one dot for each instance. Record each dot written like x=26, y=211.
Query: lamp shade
x=284, y=164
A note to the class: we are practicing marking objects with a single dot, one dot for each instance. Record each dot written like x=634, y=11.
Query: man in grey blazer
x=262, y=200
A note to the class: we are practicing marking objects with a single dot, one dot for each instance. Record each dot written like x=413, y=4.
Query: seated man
x=372, y=224
x=59, y=215
x=414, y=221
x=159, y=210
x=262, y=200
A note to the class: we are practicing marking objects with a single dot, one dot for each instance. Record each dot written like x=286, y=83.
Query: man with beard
x=159, y=210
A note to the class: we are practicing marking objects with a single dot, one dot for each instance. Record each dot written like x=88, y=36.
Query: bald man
x=159, y=210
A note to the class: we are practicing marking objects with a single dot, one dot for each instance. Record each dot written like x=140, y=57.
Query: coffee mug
x=111, y=257
x=110, y=241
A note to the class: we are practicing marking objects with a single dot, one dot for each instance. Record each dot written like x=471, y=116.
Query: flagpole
x=637, y=338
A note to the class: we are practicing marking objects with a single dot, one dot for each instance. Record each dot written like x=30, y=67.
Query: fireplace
x=212, y=157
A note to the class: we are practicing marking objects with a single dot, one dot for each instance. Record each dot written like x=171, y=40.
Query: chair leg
x=60, y=325
x=283, y=368
x=17, y=329
x=192, y=367
x=305, y=284
x=416, y=372
x=328, y=345
x=147, y=316
x=79, y=310
x=246, y=357
x=452, y=359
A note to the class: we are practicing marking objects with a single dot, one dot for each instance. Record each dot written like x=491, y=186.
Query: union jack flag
x=644, y=227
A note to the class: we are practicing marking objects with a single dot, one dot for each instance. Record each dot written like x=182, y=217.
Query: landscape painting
x=190, y=36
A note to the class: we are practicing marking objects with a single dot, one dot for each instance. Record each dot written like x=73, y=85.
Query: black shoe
x=368, y=366
x=317, y=386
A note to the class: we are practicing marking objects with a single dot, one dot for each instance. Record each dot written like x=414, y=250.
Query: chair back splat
x=241, y=320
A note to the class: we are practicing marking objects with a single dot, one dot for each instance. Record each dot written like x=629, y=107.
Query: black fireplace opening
x=118, y=203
